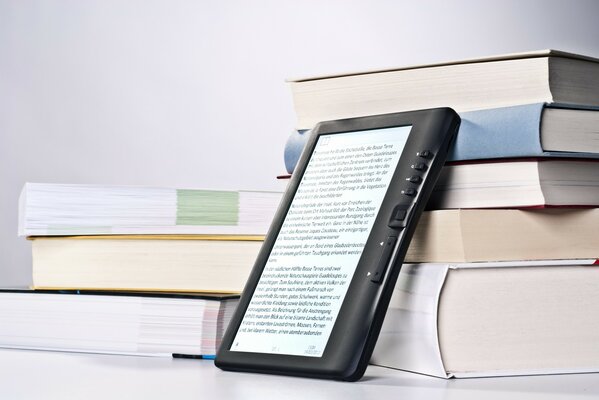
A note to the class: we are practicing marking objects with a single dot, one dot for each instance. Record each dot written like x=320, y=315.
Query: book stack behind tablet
x=166, y=264
x=501, y=274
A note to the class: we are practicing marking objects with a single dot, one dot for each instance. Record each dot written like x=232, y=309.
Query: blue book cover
x=506, y=132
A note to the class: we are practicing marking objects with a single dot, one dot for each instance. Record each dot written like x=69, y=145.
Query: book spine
x=506, y=132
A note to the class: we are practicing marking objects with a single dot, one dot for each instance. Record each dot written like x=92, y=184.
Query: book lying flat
x=493, y=319
x=61, y=209
x=529, y=130
x=545, y=76
x=144, y=263
x=149, y=324
x=517, y=183
x=504, y=235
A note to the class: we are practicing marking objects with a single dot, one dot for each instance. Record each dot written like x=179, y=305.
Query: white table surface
x=28, y=374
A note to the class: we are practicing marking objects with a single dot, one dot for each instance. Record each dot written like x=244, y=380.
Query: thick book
x=150, y=324
x=528, y=130
x=517, y=183
x=493, y=319
x=61, y=209
x=472, y=235
x=214, y=264
x=546, y=76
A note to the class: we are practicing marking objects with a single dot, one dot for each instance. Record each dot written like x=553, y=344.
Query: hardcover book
x=493, y=319
x=517, y=183
x=460, y=236
x=546, y=76
x=528, y=130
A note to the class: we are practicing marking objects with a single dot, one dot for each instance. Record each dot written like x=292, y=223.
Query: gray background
x=185, y=93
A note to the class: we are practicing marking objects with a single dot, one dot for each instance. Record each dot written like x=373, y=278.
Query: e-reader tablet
x=316, y=298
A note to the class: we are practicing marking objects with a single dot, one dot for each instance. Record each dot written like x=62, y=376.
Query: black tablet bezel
x=356, y=328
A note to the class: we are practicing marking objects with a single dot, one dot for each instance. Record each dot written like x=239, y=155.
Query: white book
x=545, y=76
x=148, y=324
x=47, y=209
x=511, y=183
x=493, y=319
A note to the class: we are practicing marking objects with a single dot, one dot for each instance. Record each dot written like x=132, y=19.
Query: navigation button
x=409, y=192
x=414, y=179
x=399, y=214
x=419, y=166
x=399, y=217
x=425, y=154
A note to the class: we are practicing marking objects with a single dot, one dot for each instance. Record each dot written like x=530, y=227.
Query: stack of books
x=502, y=274
x=133, y=269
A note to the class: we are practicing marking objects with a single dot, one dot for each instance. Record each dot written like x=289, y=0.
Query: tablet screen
x=307, y=274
